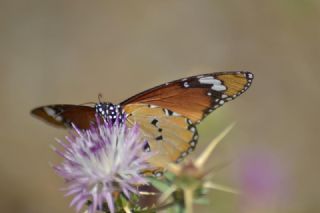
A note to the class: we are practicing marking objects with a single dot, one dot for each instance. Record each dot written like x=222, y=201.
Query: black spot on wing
x=154, y=122
x=159, y=138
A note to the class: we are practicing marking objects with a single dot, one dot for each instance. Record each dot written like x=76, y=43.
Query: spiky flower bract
x=189, y=181
x=102, y=162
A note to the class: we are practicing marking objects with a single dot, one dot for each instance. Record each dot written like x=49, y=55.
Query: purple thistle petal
x=104, y=159
x=94, y=200
x=126, y=192
x=76, y=199
x=80, y=204
x=109, y=199
x=73, y=191
x=60, y=142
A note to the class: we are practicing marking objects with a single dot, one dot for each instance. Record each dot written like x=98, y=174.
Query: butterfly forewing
x=62, y=115
x=196, y=96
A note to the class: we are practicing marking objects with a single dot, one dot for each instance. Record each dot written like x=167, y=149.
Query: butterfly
x=167, y=114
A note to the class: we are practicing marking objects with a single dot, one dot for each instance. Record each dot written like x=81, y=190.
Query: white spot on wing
x=209, y=80
x=190, y=150
x=176, y=114
x=189, y=121
x=59, y=118
x=218, y=87
x=51, y=112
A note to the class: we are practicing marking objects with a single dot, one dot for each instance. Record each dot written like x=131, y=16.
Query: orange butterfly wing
x=167, y=113
x=170, y=135
x=196, y=96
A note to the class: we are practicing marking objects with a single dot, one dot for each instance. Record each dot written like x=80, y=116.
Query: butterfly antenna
x=100, y=97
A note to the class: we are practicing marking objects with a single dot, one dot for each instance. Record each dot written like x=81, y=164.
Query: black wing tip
x=40, y=109
x=249, y=75
x=34, y=111
x=41, y=114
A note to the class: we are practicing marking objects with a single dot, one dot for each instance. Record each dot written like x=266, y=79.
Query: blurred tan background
x=69, y=51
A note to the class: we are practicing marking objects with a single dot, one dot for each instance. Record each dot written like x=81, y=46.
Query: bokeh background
x=69, y=51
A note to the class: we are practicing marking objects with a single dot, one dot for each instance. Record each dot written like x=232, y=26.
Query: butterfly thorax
x=109, y=111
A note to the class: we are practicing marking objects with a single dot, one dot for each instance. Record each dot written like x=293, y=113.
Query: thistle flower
x=101, y=163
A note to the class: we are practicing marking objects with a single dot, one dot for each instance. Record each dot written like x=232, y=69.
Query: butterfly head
x=109, y=111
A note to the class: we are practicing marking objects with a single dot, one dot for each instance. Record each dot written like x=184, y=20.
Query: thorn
x=206, y=153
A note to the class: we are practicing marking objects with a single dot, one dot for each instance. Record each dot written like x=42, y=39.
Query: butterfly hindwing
x=170, y=135
x=62, y=115
x=196, y=96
